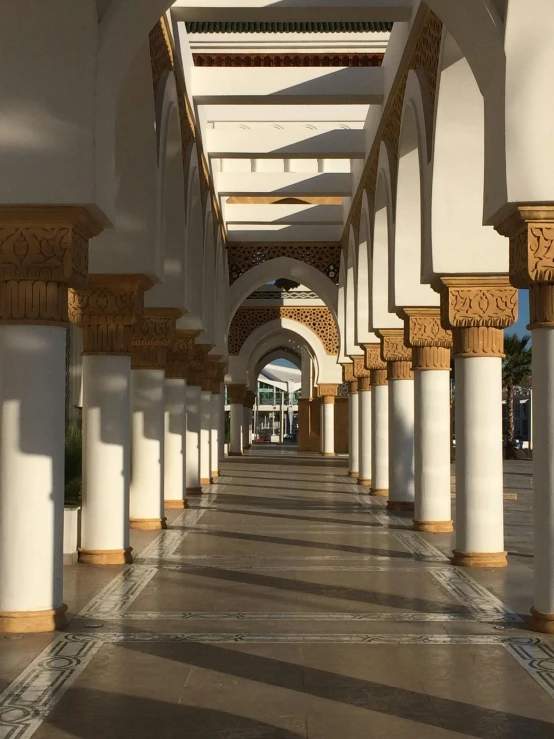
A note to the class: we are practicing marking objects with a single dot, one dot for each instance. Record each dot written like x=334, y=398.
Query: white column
x=205, y=434
x=432, y=511
x=106, y=460
x=174, y=443
x=328, y=426
x=543, y=477
x=401, y=437
x=364, y=434
x=353, y=422
x=215, y=434
x=236, y=398
x=379, y=433
x=222, y=423
x=32, y=421
x=192, y=447
x=479, y=481
x=148, y=410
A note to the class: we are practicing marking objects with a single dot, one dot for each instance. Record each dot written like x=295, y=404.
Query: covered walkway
x=286, y=603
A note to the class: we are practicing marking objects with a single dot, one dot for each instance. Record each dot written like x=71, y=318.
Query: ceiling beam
x=291, y=184
x=287, y=85
x=292, y=10
x=277, y=214
x=297, y=143
x=351, y=115
x=281, y=234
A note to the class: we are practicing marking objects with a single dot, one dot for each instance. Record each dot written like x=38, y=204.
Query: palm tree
x=516, y=371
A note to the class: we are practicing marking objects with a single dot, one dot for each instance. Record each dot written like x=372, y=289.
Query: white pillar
x=32, y=421
x=106, y=460
x=148, y=410
x=364, y=433
x=215, y=433
x=192, y=447
x=236, y=398
x=222, y=423
x=328, y=425
x=479, y=481
x=174, y=443
x=379, y=433
x=205, y=434
x=432, y=511
x=353, y=422
x=401, y=436
x=246, y=426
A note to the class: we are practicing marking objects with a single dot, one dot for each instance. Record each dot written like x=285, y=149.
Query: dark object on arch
x=285, y=284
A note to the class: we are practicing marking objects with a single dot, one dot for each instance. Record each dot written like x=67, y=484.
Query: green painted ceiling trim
x=308, y=27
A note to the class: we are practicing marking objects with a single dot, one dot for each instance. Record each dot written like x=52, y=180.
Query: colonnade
x=146, y=438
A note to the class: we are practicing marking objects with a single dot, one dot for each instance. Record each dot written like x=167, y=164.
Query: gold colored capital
x=43, y=251
x=327, y=390
x=396, y=353
x=236, y=394
x=178, y=354
x=106, y=309
x=373, y=359
x=430, y=342
x=152, y=337
x=353, y=387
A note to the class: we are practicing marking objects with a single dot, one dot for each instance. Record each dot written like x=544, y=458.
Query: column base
x=175, y=504
x=365, y=483
x=353, y=474
x=205, y=481
x=234, y=454
x=541, y=622
x=328, y=454
x=433, y=527
x=400, y=505
x=214, y=475
x=33, y=622
x=148, y=524
x=380, y=492
x=479, y=559
x=194, y=491
x=106, y=556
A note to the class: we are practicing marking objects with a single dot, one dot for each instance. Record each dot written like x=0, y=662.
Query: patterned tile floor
x=285, y=603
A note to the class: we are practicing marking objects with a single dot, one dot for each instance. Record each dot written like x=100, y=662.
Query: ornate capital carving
x=393, y=347
x=478, y=301
x=152, y=337
x=379, y=377
x=178, y=354
x=348, y=372
x=197, y=371
x=327, y=390
x=249, y=399
x=364, y=383
x=373, y=359
x=43, y=251
x=425, y=328
x=399, y=371
x=530, y=229
x=219, y=377
x=431, y=358
x=352, y=387
x=236, y=394
x=106, y=309
x=478, y=341
x=359, y=366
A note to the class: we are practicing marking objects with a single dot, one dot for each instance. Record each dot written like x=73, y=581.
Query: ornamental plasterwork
x=488, y=301
x=373, y=360
x=360, y=370
x=394, y=348
x=322, y=256
x=318, y=319
x=531, y=232
x=283, y=295
x=425, y=328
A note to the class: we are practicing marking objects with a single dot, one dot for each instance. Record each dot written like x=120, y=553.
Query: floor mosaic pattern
x=284, y=603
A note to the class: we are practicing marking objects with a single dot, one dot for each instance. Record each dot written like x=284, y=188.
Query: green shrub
x=73, y=466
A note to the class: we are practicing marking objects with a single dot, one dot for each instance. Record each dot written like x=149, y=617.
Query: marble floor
x=286, y=603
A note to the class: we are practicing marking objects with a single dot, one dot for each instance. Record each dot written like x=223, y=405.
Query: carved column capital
x=236, y=394
x=178, y=354
x=396, y=353
x=353, y=387
x=249, y=399
x=152, y=337
x=379, y=377
x=106, y=309
x=373, y=360
x=348, y=372
x=530, y=229
x=197, y=370
x=219, y=377
x=328, y=391
x=360, y=370
x=43, y=251
x=477, y=309
x=430, y=342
